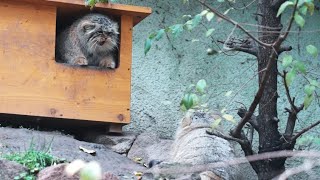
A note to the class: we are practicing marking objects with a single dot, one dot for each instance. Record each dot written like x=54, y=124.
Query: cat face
x=100, y=34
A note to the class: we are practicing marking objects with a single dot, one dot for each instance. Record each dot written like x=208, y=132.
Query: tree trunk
x=269, y=136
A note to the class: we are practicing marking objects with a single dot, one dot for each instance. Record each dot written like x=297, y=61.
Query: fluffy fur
x=91, y=40
x=192, y=145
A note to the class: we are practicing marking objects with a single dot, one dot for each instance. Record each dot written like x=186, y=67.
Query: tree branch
x=229, y=138
x=284, y=48
x=293, y=112
x=226, y=18
x=253, y=120
x=305, y=130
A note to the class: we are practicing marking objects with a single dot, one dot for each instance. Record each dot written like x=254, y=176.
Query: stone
x=150, y=146
x=66, y=147
x=119, y=143
x=9, y=169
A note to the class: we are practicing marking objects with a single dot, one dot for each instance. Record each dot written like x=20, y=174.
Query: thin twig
x=235, y=23
x=305, y=130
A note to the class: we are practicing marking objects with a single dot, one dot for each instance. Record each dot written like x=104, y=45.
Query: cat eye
x=89, y=27
x=109, y=33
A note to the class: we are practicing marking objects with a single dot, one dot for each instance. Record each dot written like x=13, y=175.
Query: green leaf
x=209, y=32
x=216, y=123
x=299, y=19
x=196, y=20
x=309, y=89
x=286, y=61
x=195, y=100
x=147, y=46
x=311, y=7
x=290, y=76
x=228, y=117
x=176, y=29
x=201, y=86
x=188, y=25
x=307, y=101
x=314, y=83
x=227, y=11
x=187, y=101
x=209, y=16
x=284, y=6
x=311, y=49
x=204, y=12
x=299, y=65
x=303, y=10
x=159, y=34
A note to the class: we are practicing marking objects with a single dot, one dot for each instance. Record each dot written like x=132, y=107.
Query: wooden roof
x=138, y=12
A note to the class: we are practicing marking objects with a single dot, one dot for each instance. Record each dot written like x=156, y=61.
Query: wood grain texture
x=32, y=83
x=137, y=12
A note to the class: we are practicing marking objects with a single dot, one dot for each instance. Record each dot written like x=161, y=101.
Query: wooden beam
x=137, y=12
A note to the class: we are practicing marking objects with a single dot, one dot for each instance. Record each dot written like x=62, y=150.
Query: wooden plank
x=32, y=83
x=138, y=12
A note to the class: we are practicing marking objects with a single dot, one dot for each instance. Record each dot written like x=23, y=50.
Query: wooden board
x=72, y=6
x=32, y=83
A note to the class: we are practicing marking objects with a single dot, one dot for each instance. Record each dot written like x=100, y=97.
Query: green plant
x=195, y=98
x=34, y=160
x=92, y=3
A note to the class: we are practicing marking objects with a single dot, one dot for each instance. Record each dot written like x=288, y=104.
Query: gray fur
x=91, y=40
x=192, y=145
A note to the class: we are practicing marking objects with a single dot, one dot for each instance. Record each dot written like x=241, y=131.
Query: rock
x=57, y=173
x=119, y=143
x=8, y=169
x=66, y=147
x=149, y=146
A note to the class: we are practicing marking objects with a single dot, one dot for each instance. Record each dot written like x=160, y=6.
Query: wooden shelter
x=33, y=83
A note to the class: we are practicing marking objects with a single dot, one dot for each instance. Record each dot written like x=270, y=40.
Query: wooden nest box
x=33, y=83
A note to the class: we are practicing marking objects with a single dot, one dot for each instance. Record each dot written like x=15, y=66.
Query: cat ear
x=86, y=26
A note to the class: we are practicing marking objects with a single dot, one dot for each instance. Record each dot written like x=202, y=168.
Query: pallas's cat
x=90, y=41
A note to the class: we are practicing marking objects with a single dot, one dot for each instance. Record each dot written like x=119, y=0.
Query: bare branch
x=293, y=111
x=253, y=121
x=235, y=161
x=229, y=138
x=235, y=23
x=305, y=130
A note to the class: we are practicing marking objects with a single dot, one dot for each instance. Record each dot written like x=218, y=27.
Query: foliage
x=92, y=3
x=292, y=67
x=34, y=160
x=195, y=98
